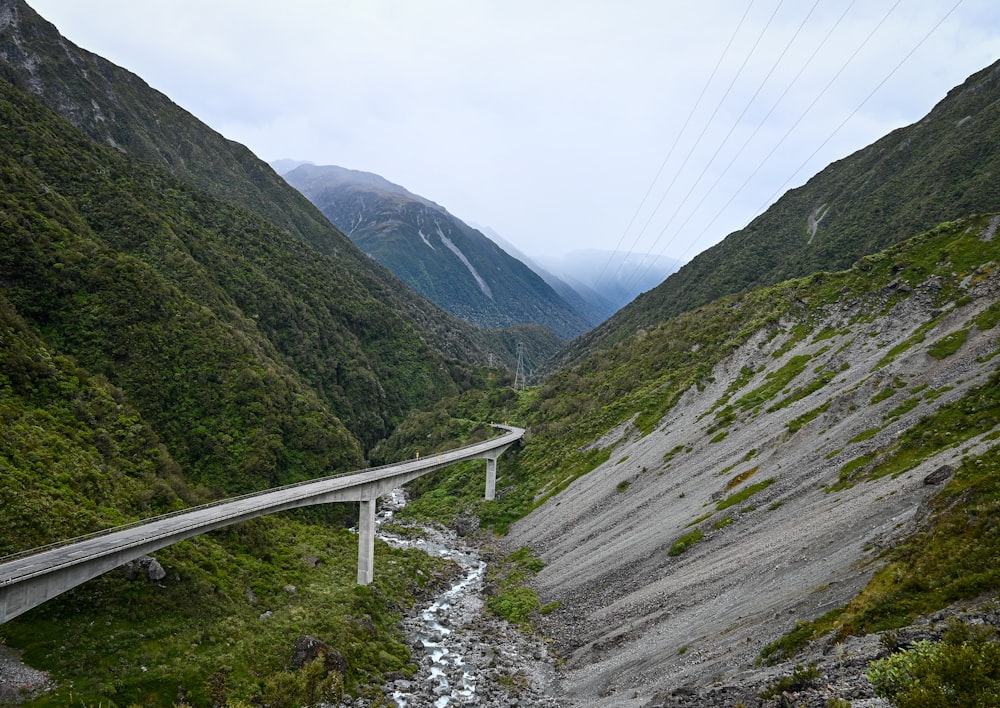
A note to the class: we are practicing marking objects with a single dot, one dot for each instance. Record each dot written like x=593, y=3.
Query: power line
x=711, y=119
x=807, y=110
x=861, y=105
x=732, y=129
x=677, y=138
x=760, y=124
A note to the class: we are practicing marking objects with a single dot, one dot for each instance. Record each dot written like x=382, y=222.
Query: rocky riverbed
x=18, y=681
x=467, y=657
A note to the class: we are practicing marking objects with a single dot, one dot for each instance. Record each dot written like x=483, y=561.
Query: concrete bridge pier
x=491, y=478
x=366, y=541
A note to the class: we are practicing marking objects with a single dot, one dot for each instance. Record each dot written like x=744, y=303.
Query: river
x=467, y=657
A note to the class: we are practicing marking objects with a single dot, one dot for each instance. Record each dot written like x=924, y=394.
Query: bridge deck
x=30, y=578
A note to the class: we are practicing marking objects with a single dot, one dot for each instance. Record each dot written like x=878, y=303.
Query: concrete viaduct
x=30, y=578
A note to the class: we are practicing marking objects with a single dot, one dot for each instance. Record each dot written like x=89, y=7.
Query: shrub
x=802, y=677
x=961, y=671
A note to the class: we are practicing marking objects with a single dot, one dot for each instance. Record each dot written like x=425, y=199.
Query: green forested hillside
x=937, y=169
x=118, y=109
x=159, y=348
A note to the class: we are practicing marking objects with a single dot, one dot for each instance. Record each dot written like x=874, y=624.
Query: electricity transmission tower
x=519, y=378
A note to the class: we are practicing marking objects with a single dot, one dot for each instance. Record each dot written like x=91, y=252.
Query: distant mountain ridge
x=434, y=252
x=942, y=167
x=586, y=294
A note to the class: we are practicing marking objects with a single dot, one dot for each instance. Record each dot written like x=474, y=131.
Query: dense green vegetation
x=510, y=596
x=160, y=348
x=259, y=586
x=129, y=270
x=961, y=671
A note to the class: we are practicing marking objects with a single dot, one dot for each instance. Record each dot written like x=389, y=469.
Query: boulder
x=144, y=565
x=940, y=475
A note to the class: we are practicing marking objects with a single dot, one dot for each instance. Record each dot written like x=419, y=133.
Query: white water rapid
x=466, y=656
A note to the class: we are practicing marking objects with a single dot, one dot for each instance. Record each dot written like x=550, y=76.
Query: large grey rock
x=144, y=565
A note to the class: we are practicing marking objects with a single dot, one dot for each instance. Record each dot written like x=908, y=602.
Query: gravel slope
x=634, y=621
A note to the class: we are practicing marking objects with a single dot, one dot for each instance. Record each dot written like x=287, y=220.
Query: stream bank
x=467, y=656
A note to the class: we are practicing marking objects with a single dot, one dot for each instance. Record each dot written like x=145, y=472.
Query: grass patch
x=741, y=478
x=797, y=423
x=777, y=381
x=685, y=542
x=699, y=519
x=673, y=453
x=825, y=377
x=512, y=599
x=802, y=677
x=902, y=409
x=918, y=336
x=744, y=494
x=988, y=318
x=887, y=392
x=867, y=434
x=949, y=344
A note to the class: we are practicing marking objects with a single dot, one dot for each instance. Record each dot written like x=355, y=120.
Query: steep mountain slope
x=296, y=306
x=937, y=169
x=755, y=456
x=159, y=348
x=117, y=108
x=710, y=485
x=435, y=253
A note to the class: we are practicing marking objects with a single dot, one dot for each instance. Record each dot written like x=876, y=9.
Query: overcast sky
x=656, y=126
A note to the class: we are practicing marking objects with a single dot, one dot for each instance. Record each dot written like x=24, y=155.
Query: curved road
x=28, y=579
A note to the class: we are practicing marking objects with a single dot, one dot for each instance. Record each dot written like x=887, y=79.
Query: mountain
x=619, y=277
x=118, y=109
x=722, y=496
x=716, y=505
x=937, y=169
x=753, y=485
x=435, y=253
x=593, y=306
x=177, y=324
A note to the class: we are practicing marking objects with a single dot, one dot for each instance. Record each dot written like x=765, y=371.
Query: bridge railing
x=208, y=505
